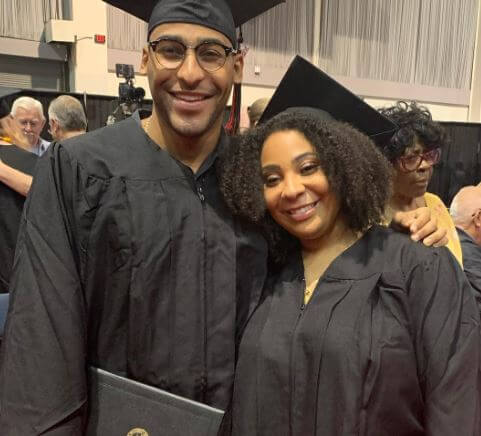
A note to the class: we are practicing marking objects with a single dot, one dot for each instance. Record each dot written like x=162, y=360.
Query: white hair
x=68, y=112
x=464, y=205
x=27, y=103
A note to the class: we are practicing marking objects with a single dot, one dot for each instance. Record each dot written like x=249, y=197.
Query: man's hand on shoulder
x=422, y=225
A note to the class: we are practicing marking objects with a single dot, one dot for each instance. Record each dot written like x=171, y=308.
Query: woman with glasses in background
x=413, y=151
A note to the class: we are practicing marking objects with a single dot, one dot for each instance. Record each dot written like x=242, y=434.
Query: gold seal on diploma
x=138, y=432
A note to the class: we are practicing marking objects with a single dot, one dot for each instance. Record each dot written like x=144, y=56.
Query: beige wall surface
x=475, y=102
x=251, y=93
x=91, y=68
x=88, y=63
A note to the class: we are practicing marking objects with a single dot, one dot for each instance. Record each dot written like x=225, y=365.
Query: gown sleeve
x=447, y=341
x=472, y=266
x=42, y=373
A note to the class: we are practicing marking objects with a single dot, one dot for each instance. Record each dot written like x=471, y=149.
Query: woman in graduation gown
x=359, y=331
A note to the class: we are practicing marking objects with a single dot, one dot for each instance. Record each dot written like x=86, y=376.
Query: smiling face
x=189, y=100
x=412, y=184
x=296, y=190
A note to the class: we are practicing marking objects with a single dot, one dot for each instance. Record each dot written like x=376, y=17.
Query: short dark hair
x=414, y=123
x=356, y=170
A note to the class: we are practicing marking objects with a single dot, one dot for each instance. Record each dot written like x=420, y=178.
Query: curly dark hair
x=357, y=172
x=414, y=122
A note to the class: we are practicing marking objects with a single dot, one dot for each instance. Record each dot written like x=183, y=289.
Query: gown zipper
x=302, y=309
x=203, y=380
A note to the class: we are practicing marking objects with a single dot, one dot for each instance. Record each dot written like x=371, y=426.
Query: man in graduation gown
x=128, y=258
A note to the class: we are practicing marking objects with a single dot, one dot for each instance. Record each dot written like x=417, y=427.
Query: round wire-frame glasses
x=170, y=53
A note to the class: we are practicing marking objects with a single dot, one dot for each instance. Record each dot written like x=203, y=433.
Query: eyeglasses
x=413, y=161
x=170, y=53
x=32, y=123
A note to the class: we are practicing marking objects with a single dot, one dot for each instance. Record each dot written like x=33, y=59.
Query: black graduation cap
x=7, y=95
x=217, y=14
x=306, y=87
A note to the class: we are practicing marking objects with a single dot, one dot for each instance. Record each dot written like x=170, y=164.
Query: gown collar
x=356, y=262
x=208, y=163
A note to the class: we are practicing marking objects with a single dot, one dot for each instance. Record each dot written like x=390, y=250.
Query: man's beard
x=187, y=129
x=31, y=139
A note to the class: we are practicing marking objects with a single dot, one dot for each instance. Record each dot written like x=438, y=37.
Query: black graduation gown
x=471, y=263
x=129, y=262
x=388, y=345
x=11, y=206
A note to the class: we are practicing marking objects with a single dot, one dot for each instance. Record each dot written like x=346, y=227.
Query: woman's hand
x=423, y=226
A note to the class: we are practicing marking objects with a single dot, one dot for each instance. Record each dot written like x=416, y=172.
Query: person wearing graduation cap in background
x=359, y=330
x=128, y=258
x=16, y=169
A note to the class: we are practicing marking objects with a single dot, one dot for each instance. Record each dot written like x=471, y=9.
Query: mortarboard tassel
x=232, y=125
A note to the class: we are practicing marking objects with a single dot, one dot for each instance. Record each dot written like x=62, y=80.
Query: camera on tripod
x=130, y=97
x=128, y=93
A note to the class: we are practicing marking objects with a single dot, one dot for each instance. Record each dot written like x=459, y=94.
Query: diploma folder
x=119, y=407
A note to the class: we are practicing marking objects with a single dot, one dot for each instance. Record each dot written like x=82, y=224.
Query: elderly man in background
x=16, y=163
x=29, y=114
x=16, y=169
x=466, y=213
x=66, y=117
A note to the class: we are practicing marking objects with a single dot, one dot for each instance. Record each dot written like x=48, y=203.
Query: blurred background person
x=28, y=112
x=255, y=111
x=13, y=158
x=413, y=151
x=11, y=174
x=66, y=118
x=465, y=210
x=16, y=169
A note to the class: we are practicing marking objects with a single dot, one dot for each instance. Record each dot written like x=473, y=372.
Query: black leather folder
x=119, y=407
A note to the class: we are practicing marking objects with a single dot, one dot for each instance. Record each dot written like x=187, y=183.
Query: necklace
x=309, y=290
x=315, y=265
